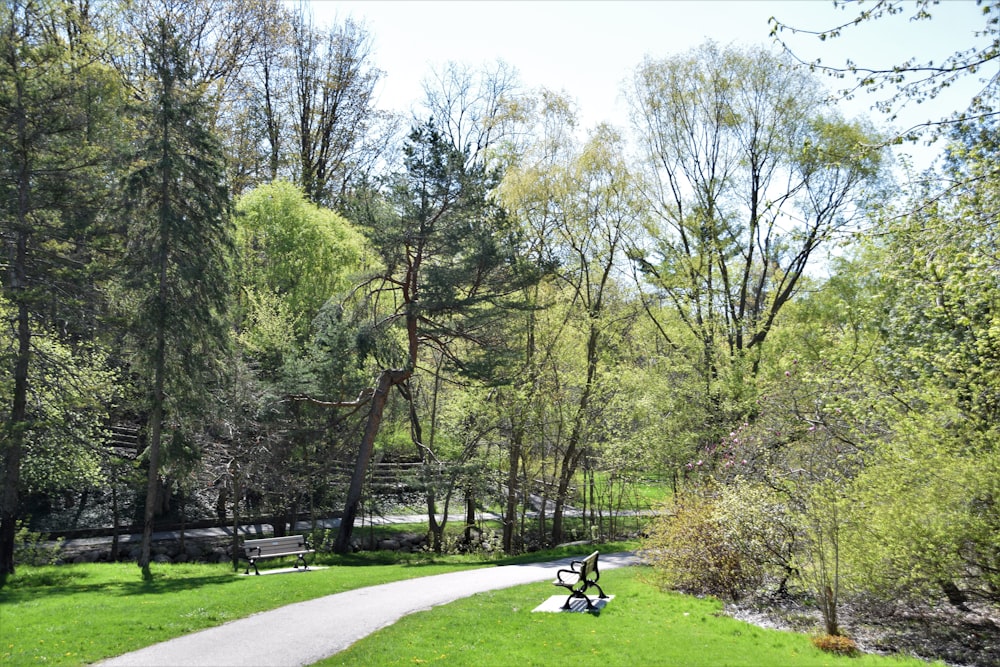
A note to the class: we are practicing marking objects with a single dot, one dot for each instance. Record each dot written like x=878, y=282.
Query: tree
x=913, y=80
x=295, y=262
x=746, y=178
x=256, y=120
x=936, y=312
x=597, y=217
x=448, y=271
x=53, y=145
x=333, y=106
x=476, y=110
x=179, y=239
x=295, y=250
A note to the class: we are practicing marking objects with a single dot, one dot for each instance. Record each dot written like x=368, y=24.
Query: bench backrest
x=589, y=567
x=275, y=545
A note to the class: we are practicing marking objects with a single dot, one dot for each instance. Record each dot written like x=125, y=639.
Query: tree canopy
x=232, y=290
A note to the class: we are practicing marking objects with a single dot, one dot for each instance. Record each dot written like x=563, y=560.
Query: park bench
x=580, y=577
x=276, y=547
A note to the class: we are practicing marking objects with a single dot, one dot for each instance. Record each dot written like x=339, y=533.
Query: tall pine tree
x=179, y=244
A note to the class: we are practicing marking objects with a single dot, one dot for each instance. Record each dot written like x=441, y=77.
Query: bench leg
x=578, y=595
x=302, y=558
x=252, y=561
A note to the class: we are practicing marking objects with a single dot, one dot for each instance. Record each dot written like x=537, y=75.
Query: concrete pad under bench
x=555, y=604
x=285, y=570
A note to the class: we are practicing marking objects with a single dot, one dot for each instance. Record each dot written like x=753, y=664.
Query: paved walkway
x=306, y=632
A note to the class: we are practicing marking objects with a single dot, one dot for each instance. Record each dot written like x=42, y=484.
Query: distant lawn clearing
x=641, y=626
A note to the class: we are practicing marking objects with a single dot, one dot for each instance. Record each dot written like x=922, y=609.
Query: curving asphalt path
x=306, y=632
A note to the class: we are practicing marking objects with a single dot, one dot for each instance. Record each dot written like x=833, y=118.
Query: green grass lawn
x=641, y=626
x=75, y=614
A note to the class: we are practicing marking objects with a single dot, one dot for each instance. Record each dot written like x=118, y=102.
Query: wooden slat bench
x=276, y=547
x=581, y=576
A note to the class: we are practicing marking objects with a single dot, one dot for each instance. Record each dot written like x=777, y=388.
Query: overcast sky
x=588, y=48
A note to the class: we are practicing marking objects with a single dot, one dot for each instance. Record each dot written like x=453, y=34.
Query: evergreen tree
x=179, y=244
x=449, y=264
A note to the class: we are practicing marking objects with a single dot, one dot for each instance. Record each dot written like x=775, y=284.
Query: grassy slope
x=70, y=615
x=641, y=626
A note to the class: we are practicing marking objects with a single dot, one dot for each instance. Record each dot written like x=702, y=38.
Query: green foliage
x=929, y=490
x=293, y=257
x=35, y=549
x=761, y=527
x=180, y=242
x=71, y=390
x=692, y=551
x=929, y=512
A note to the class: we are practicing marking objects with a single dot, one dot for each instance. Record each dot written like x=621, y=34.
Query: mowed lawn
x=77, y=614
x=642, y=625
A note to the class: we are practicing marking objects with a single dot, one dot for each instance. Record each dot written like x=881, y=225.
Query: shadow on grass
x=57, y=583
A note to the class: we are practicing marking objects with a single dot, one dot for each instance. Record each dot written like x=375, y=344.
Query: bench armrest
x=559, y=574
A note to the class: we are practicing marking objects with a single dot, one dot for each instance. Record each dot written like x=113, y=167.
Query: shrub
x=693, y=552
x=31, y=548
x=838, y=644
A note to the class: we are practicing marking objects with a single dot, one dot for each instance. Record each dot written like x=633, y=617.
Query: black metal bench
x=580, y=577
x=276, y=547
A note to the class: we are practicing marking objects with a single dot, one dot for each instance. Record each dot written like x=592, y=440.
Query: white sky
x=588, y=48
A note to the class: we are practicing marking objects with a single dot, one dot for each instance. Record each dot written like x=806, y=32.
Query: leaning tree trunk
x=386, y=381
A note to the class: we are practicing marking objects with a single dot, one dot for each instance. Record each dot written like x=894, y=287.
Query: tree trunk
x=235, y=545
x=153, y=479
x=573, y=450
x=15, y=445
x=828, y=606
x=387, y=379
x=470, y=515
x=114, y=518
x=434, y=528
x=513, y=460
x=18, y=277
x=156, y=417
